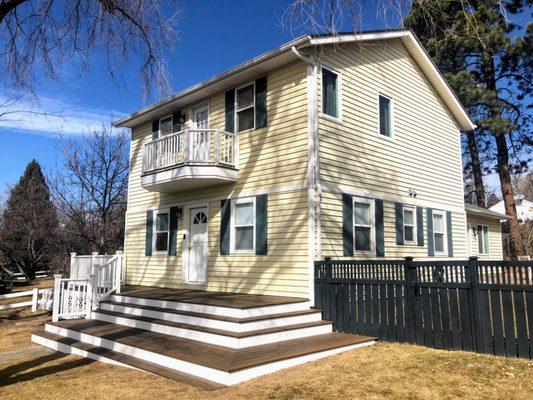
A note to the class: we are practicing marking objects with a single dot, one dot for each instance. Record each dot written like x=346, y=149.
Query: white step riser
x=213, y=323
x=219, y=340
x=205, y=309
x=195, y=369
x=67, y=349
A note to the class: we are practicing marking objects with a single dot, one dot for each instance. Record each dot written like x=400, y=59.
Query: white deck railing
x=192, y=147
x=92, y=279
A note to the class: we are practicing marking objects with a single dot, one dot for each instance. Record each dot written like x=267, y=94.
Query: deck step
x=214, y=321
x=72, y=346
x=217, y=336
x=223, y=365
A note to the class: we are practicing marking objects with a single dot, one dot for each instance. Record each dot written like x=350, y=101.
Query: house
x=484, y=236
x=524, y=208
x=344, y=146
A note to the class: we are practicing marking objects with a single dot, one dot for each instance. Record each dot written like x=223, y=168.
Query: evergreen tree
x=29, y=226
x=487, y=61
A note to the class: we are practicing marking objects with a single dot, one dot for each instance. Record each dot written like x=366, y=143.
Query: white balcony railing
x=192, y=147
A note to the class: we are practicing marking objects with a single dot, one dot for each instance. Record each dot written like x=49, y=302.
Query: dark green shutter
x=176, y=126
x=225, y=228
x=260, y=102
x=347, y=224
x=155, y=129
x=398, y=208
x=380, y=231
x=449, y=229
x=420, y=226
x=429, y=224
x=230, y=111
x=173, y=231
x=261, y=223
x=149, y=232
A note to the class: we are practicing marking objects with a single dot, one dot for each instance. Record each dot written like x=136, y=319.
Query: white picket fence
x=35, y=301
x=92, y=279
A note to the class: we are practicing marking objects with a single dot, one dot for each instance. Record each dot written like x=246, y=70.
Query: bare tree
x=42, y=36
x=90, y=190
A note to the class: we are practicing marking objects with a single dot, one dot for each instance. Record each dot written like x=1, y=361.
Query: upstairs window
x=330, y=93
x=409, y=223
x=363, y=225
x=439, y=232
x=483, y=239
x=165, y=126
x=245, y=107
x=385, y=116
x=161, y=232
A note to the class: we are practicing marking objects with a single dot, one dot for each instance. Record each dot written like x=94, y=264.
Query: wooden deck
x=218, y=299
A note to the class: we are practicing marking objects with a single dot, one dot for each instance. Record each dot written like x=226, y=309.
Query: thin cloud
x=51, y=116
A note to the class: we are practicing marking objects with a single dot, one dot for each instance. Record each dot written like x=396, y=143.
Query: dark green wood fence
x=481, y=306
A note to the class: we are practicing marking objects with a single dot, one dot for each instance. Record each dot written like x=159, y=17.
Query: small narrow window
x=385, y=116
x=439, y=229
x=363, y=225
x=245, y=107
x=244, y=225
x=409, y=223
x=483, y=239
x=330, y=93
x=165, y=126
x=161, y=232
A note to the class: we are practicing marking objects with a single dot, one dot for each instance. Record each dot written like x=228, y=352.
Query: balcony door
x=200, y=137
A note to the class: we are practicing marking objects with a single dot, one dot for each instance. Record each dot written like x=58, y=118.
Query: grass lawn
x=392, y=371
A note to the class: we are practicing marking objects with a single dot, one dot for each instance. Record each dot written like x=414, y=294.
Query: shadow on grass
x=16, y=373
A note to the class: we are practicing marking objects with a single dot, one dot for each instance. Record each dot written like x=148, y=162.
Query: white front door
x=200, y=138
x=197, y=260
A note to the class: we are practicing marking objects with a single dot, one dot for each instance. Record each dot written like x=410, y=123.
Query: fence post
x=34, y=299
x=90, y=296
x=410, y=280
x=72, y=263
x=472, y=275
x=118, y=271
x=57, y=298
x=93, y=256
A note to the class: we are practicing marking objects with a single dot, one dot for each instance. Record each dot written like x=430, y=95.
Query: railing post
x=72, y=264
x=93, y=257
x=217, y=147
x=236, y=151
x=118, y=271
x=471, y=273
x=89, y=306
x=57, y=298
x=186, y=146
x=409, y=288
x=34, y=299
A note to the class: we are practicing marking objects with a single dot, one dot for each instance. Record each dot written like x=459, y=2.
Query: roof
x=469, y=208
x=285, y=54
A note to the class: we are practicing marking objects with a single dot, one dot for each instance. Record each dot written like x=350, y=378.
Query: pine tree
x=488, y=63
x=29, y=226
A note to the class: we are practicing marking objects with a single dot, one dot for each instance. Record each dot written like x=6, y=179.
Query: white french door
x=200, y=138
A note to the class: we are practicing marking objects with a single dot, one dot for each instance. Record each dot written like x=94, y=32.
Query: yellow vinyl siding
x=495, y=237
x=271, y=158
x=424, y=153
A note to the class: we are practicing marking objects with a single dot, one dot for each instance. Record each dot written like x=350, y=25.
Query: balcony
x=190, y=159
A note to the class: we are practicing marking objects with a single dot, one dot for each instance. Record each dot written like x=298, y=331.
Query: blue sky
x=214, y=36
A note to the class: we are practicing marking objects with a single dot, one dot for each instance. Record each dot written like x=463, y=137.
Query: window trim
x=237, y=110
x=154, y=230
x=486, y=251
x=444, y=233
x=234, y=202
x=392, y=127
x=339, y=94
x=408, y=207
x=371, y=202
x=159, y=133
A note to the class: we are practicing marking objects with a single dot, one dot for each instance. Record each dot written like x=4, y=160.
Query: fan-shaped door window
x=200, y=218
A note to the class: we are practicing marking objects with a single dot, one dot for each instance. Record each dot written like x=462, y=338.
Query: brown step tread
x=134, y=362
x=209, y=355
x=217, y=317
x=199, y=328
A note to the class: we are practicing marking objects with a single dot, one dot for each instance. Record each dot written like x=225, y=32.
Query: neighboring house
x=524, y=208
x=343, y=146
x=484, y=233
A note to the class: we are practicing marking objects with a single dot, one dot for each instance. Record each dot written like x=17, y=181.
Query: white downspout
x=313, y=172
